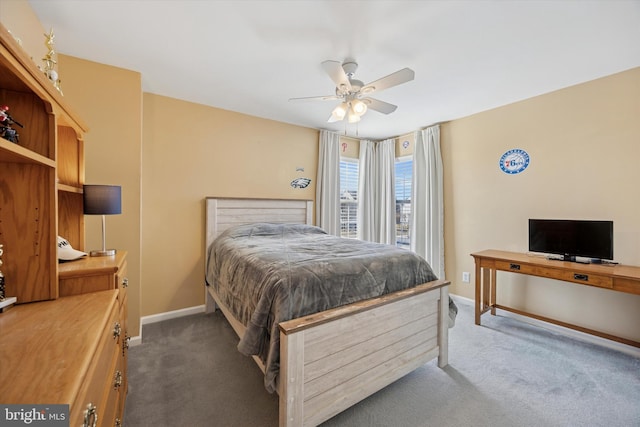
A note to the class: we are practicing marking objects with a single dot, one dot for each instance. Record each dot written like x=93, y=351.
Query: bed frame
x=331, y=360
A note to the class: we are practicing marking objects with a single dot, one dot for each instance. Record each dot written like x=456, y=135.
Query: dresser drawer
x=83, y=285
x=122, y=282
x=111, y=407
x=92, y=274
x=95, y=387
x=123, y=388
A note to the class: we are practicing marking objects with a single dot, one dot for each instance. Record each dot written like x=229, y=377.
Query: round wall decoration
x=514, y=161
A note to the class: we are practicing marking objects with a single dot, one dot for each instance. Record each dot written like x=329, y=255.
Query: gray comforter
x=269, y=273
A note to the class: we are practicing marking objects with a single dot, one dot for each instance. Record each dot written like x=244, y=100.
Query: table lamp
x=102, y=200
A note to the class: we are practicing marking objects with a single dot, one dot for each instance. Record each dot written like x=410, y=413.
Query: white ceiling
x=252, y=56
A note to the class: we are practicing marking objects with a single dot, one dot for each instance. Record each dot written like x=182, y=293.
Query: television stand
x=621, y=278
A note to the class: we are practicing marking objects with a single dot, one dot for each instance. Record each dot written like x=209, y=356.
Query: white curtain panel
x=385, y=191
x=328, y=183
x=366, y=192
x=427, y=208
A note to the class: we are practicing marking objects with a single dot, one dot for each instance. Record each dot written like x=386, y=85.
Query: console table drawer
x=524, y=269
x=557, y=273
x=629, y=286
x=589, y=279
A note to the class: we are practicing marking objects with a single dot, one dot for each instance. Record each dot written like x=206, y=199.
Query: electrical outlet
x=466, y=277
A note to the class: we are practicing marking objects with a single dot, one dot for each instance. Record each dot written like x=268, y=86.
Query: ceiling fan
x=354, y=94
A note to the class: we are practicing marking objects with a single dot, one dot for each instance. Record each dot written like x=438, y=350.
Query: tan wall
x=350, y=147
x=405, y=144
x=18, y=17
x=584, y=147
x=191, y=151
x=109, y=100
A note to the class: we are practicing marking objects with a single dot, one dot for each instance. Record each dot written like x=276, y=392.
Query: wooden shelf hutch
x=41, y=185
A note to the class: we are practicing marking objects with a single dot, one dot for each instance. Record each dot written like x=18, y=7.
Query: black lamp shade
x=102, y=199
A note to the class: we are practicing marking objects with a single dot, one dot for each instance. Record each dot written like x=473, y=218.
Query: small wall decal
x=514, y=161
x=405, y=144
x=300, y=183
x=344, y=147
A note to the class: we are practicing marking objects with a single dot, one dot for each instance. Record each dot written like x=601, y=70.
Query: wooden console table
x=621, y=278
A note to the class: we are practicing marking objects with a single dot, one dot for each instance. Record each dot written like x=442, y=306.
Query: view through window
x=348, y=198
x=403, y=172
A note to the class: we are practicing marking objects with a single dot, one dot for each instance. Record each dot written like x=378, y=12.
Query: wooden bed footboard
x=332, y=360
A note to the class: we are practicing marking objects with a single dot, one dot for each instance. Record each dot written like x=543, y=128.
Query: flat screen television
x=572, y=238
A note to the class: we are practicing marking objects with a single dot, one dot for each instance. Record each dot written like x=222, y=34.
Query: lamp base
x=106, y=252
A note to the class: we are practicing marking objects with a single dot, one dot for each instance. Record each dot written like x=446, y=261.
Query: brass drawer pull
x=125, y=282
x=584, y=277
x=117, y=329
x=117, y=381
x=125, y=344
x=513, y=266
x=90, y=416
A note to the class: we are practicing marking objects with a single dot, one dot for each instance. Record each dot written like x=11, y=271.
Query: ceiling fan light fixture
x=339, y=112
x=353, y=93
x=353, y=117
x=359, y=107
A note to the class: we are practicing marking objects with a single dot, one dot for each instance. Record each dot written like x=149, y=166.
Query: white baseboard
x=155, y=318
x=593, y=339
x=134, y=341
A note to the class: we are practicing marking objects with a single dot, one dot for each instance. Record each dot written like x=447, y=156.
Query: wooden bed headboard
x=222, y=213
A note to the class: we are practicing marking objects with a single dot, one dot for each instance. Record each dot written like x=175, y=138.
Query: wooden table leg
x=492, y=298
x=478, y=291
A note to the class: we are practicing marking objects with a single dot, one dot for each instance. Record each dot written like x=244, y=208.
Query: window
x=403, y=174
x=348, y=198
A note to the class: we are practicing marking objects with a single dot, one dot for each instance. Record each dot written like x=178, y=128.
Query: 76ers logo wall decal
x=514, y=161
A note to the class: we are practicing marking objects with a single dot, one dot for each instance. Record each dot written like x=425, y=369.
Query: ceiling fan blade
x=380, y=106
x=317, y=98
x=394, y=79
x=336, y=72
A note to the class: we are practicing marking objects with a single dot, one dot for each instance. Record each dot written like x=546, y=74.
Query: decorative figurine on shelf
x=6, y=131
x=50, y=62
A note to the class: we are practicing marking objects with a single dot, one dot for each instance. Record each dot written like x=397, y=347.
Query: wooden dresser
x=65, y=340
x=96, y=274
x=67, y=351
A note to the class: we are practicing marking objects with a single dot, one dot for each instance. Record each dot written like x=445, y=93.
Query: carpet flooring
x=187, y=372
